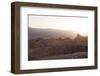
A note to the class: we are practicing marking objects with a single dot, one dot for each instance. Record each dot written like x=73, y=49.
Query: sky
x=75, y=24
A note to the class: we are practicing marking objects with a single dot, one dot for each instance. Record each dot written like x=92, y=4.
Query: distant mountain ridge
x=49, y=33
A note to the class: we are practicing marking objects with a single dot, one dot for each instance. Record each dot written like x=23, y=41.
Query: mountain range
x=34, y=33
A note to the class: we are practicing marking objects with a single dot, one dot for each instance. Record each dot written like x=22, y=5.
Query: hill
x=49, y=33
x=46, y=44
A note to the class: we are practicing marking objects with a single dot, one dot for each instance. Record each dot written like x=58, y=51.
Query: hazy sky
x=76, y=24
